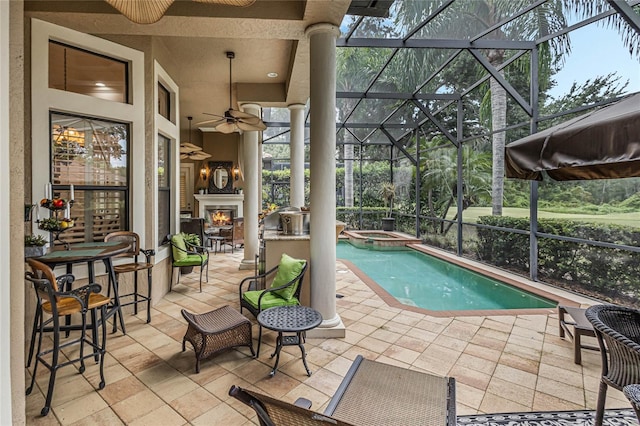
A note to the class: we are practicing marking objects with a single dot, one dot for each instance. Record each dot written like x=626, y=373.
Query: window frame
x=45, y=99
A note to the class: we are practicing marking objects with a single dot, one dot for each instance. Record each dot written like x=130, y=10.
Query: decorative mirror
x=220, y=181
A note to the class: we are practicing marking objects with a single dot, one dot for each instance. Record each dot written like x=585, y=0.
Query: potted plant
x=201, y=190
x=388, y=194
x=189, y=239
x=35, y=245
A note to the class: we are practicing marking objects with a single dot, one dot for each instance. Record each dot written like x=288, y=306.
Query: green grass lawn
x=628, y=219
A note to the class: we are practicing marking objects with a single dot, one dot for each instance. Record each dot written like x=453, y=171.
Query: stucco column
x=252, y=188
x=296, y=145
x=323, y=171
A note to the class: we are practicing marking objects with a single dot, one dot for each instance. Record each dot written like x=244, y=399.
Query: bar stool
x=134, y=251
x=57, y=303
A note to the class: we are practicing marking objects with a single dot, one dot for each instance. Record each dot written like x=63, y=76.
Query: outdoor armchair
x=184, y=253
x=284, y=290
x=618, y=332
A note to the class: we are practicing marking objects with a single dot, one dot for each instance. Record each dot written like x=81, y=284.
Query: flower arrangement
x=35, y=241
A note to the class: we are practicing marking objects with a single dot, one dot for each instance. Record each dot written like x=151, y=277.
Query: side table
x=290, y=319
x=581, y=327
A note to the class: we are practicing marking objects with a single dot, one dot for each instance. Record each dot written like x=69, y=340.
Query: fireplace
x=220, y=217
x=229, y=204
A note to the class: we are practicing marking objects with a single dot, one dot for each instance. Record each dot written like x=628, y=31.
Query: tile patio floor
x=501, y=363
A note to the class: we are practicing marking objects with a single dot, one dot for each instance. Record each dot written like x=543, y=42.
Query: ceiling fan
x=189, y=151
x=233, y=119
x=150, y=11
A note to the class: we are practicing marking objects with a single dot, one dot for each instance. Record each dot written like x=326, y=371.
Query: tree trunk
x=498, y=121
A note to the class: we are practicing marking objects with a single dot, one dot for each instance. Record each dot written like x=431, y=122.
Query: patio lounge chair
x=372, y=393
x=618, y=332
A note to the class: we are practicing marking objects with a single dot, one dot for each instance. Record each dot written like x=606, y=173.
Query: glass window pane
x=87, y=151
x=90, y=154
x=87, y=73
x=164, y=187
x=95, y=214
x=164, y=102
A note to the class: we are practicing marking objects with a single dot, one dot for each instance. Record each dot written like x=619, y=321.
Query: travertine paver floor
x=501, y=363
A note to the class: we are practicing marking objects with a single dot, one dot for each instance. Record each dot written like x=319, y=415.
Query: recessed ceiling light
x=100, y=84
x=272, y=74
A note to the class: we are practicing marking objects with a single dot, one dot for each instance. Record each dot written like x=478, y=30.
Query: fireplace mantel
x=207, y=201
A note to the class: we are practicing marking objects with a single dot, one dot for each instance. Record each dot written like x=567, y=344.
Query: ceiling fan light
x=238, y=3
x=142, y=11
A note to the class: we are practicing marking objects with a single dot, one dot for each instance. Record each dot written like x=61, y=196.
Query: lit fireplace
x=221, y=217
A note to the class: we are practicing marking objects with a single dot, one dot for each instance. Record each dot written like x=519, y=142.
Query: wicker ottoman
x=214, y=331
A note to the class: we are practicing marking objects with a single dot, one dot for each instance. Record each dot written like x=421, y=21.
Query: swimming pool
x=418, y=279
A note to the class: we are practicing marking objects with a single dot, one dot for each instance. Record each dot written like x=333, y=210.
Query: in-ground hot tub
x=381, y=239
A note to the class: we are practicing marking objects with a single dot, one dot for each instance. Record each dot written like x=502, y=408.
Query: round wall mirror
x=220, y=177
x=220, y=181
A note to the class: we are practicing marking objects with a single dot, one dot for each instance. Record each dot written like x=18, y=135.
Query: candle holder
x=57, y=223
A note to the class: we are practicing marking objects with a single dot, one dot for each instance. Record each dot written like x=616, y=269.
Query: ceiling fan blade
x=142, y=11
x=239, y=3
x=250, y=127
x=200, y=155
x=241, y=114
x=250, y=120
x=187, y=147
x=226, y=127
x=213, y=115
x=215, y=122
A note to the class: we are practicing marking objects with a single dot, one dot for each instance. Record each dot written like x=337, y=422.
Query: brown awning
x=603, y=144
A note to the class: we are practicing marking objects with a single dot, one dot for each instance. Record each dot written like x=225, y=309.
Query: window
x=164, y=187
x=79, y=71
x=164, y=102
x=92, y=155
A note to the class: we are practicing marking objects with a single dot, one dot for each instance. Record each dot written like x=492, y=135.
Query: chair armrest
x=148, y=253
x=255, y=277
x=195, y=249
x=65, y=281
x=303, y=403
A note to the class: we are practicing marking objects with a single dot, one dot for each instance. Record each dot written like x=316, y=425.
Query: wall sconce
x=203, y=173
x=236, y=172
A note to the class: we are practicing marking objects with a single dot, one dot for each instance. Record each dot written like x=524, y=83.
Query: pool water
x=418, y=279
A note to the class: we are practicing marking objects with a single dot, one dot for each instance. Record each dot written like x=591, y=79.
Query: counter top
x=273, y=235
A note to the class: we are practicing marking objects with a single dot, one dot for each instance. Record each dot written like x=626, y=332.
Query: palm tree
x=466, y=19
x=355, y=70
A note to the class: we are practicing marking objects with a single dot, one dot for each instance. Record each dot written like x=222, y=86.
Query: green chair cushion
x=288, y=269
x=191, y=260
x=270, y=300
x=178, y=253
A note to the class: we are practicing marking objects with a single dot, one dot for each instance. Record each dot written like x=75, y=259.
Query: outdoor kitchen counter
x=272, y=235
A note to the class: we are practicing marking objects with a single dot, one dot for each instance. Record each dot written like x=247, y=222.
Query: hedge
x=606, y=273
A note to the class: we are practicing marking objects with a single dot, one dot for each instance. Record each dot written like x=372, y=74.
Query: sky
x=597, y=51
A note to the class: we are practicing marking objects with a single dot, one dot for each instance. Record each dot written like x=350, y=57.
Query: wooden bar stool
x=56, y=304
x=134, y=251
